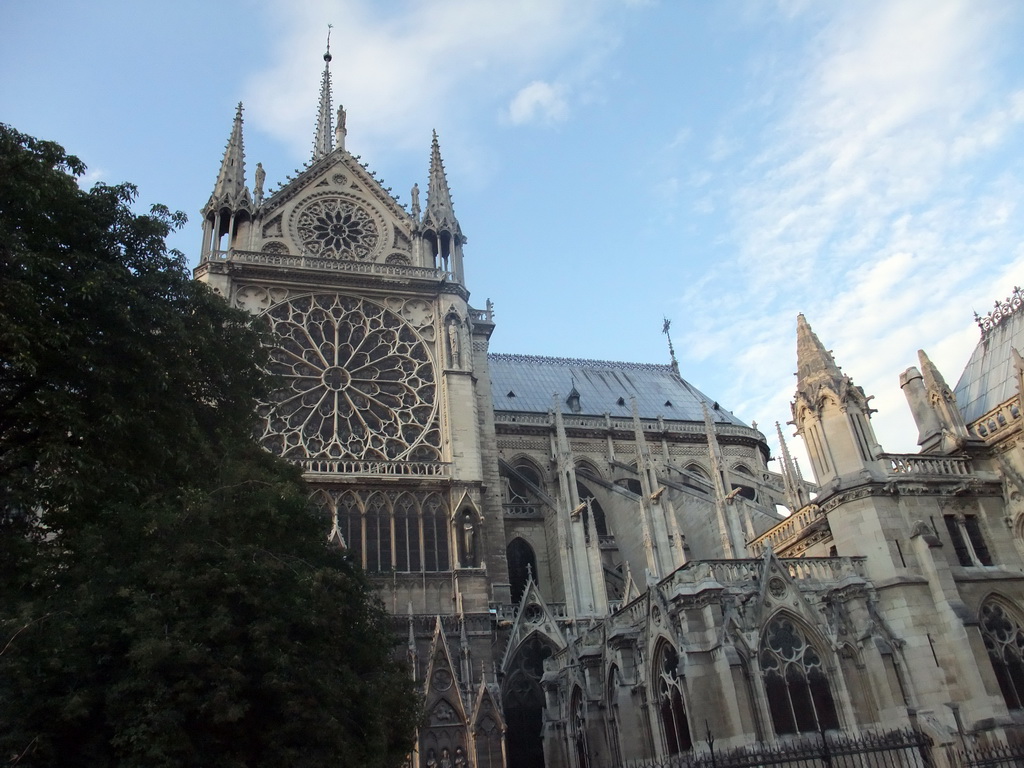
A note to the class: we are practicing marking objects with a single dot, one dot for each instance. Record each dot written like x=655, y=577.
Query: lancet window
x=522, y=566
x=674, y=721
x=967, y=539
x=587, y=497
x=392, y=531
x=795, y=680
x=612, y=712
x=578, y=725
x=518, y=486
x=1004, y=640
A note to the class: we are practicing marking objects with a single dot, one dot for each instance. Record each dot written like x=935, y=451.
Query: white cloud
x=402, y=69
x=538, y=102
x=870, y=205
x=90, y=177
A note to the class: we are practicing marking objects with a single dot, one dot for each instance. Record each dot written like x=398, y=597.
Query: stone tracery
x=795, y=680
x=1004, y=641
x=358, y=383
x=339, y=228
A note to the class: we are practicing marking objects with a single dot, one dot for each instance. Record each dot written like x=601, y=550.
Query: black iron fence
x=990, y=757
x=898, y=749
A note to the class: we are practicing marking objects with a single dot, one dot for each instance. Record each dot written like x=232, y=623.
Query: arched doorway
x=523, y=702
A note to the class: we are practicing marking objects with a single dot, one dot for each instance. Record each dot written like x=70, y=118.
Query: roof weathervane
x=327, y=55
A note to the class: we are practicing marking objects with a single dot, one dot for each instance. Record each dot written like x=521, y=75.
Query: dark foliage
x=166, y=594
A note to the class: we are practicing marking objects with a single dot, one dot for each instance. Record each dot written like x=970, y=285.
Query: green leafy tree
x=167, y=597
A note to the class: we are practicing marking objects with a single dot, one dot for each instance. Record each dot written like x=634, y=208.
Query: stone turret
x=440, y=229
x=230, y=205
x=832, y=415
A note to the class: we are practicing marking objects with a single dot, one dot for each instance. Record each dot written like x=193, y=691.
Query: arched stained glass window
x=435, y=534
x=350, y=524
x=795, y=680
x=378, y=534
x=406, y=532
x=612, y=702
x=593, y=505
x=578, y=724
x=674, y=721
x=1004, y=640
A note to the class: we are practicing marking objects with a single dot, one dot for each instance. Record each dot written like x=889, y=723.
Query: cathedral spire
x=323, y=142
x=440, y=211
x=440, y=228
x=813, y=361
x=230, y=186
x=796, y=494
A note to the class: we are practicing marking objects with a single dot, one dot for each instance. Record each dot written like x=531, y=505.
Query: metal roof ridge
x=578, y=361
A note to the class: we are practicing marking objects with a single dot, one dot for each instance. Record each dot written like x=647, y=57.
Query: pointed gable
x=533, y=618
x=442, y=698
x=336, y=210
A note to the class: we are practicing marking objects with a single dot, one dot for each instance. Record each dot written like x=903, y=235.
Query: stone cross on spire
x=323, y=141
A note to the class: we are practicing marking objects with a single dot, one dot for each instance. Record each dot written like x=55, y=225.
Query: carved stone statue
x=454, y=342
x=431, y=759
x=460, y=758
x=468, y=540
x=446, y=758
x=416, y=202
x=261, y=176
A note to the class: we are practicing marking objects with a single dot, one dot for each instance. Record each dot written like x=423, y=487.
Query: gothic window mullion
x=961, y=523
x=1004, y=641
x=796, y=684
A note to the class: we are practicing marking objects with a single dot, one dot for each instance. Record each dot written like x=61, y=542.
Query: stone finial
x=323, y=140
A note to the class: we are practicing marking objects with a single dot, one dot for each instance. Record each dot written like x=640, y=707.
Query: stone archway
x=523, y=703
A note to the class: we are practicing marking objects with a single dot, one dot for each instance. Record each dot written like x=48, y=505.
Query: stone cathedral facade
x=591, y=562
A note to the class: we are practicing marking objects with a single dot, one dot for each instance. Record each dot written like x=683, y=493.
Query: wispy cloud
x=420, y=65
x=538, y=102
x=869, y=203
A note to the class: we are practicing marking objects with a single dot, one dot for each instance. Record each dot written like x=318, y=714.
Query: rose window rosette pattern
x=334, y=227
x=356, y=383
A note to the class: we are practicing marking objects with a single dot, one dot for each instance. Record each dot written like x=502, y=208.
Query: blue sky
x=725, y=164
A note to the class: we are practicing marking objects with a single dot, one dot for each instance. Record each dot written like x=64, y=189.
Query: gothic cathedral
x=590, y=562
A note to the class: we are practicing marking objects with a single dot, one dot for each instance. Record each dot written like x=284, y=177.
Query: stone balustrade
x=787, y=531
x=997, y=422
x=380, y=468
x=625, y=425
x=522, y=510
x=303, y=261
x=903, y=465
x=742, y=572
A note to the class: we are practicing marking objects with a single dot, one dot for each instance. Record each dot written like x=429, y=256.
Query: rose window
x=356, y=383
x=338, y=228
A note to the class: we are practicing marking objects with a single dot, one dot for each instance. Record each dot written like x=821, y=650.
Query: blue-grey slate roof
x=526, y=383
x=989, y=378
